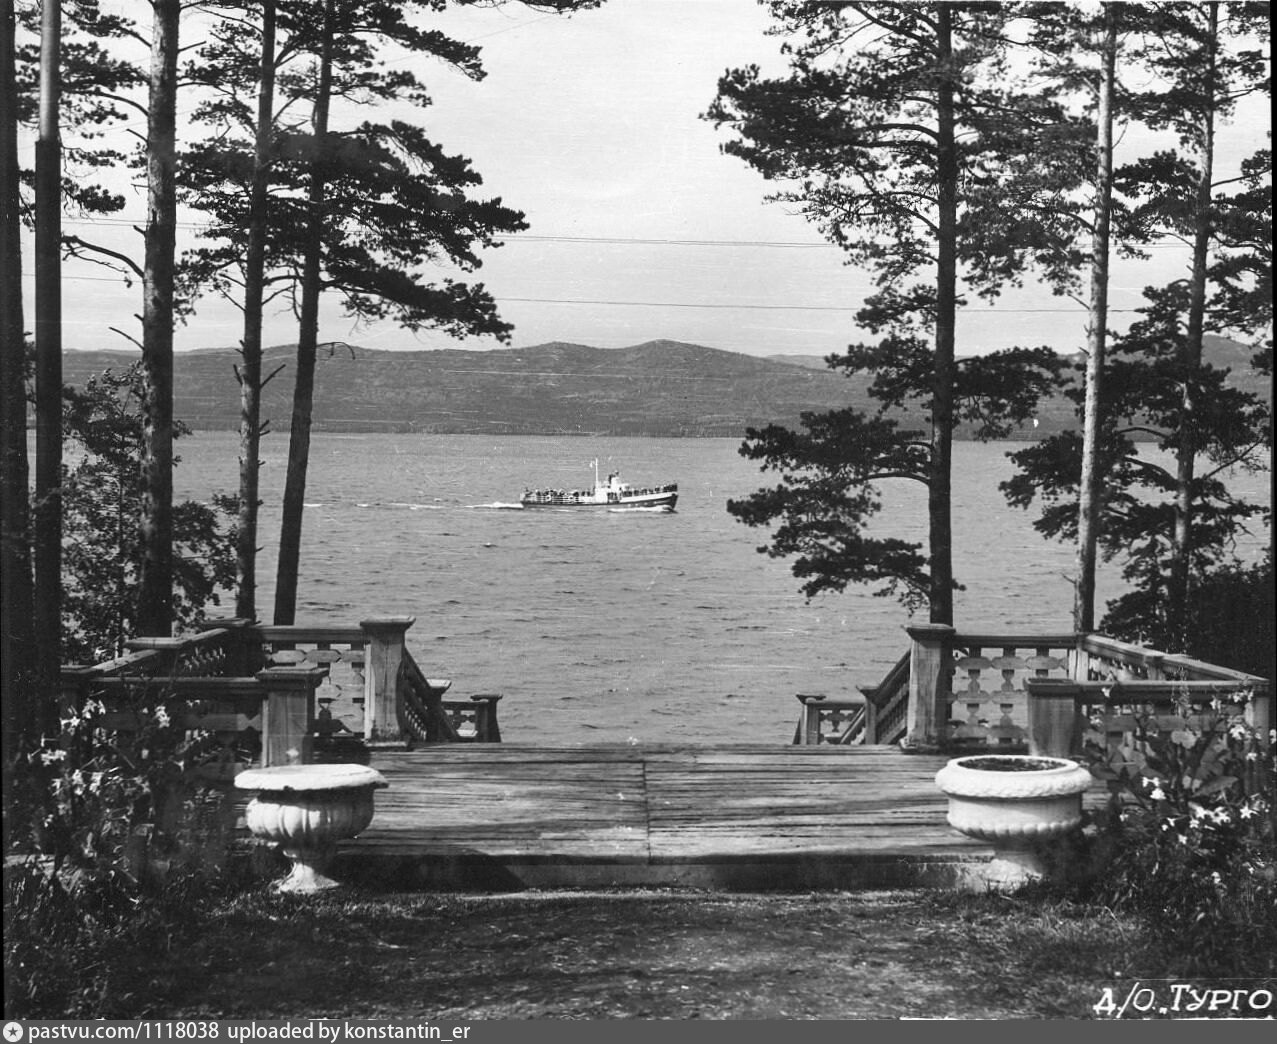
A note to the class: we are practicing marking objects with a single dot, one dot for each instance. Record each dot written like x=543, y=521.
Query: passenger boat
x=613, y=494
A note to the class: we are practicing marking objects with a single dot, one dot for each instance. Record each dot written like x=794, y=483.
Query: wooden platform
x=498, y=817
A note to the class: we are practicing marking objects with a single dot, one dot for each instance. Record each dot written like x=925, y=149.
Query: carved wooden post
x=1079, y=667
x=929, y=683
x=383, y=674
x=1054, y=726
x=289, y=714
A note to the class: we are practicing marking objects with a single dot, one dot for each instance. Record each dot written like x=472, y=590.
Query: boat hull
x=656, y=501
x=613, y=494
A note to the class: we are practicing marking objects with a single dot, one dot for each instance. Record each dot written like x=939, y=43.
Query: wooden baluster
x=242, y=645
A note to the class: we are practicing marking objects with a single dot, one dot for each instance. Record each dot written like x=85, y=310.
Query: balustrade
x=1026, y=692
x=837, y=721
x=1067, y=715
x=987, y=701
x=964, y=692
x=252, y=692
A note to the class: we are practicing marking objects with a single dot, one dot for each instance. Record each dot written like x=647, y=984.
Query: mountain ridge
x=658, y=387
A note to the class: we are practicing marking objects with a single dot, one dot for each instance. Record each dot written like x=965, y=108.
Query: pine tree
x=388, y=177
x=898, y=135
x=1172, y=525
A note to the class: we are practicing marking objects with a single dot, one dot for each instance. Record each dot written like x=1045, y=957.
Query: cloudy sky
x=639, y=227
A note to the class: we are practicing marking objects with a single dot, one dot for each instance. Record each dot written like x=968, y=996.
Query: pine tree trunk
x=17, y=635
x=1190, y=356
x=1088, y=487
x=250, y=377
x=155, y=584
x=47, y=515
x=940, y=479
x=290, y=530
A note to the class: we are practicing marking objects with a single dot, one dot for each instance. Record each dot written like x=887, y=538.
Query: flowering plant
x=116, y=838
x=116, y=779
x=1190, y=828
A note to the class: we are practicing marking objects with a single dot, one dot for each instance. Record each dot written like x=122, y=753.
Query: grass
x=242, y=953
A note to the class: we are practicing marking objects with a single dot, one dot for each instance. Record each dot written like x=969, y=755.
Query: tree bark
x=307, y=342
x=17, y=634
x=155, y=584
x=250, y=378
x=47, y=529
x=1190, y=352
x=940, y=479
x=1088, y=486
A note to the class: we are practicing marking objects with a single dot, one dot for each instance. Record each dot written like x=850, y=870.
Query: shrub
x=1188, y=839
x=111, y=841
x=101, y=505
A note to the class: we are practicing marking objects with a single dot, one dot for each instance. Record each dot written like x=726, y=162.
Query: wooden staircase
x=424, y=716
x=875, y=717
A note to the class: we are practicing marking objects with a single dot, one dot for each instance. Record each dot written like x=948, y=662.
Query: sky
x=640, y=228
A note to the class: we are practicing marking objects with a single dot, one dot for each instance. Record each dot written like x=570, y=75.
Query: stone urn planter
x=1016, y=802
x=306, y=810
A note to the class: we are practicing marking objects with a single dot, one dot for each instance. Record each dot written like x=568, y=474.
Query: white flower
x=1185, y=738
x=1198, y=811
x=1239, y=731
x=1246, y=812
x=1158, y=794
x=161, y=717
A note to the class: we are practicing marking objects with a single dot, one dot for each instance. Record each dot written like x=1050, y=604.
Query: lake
x=603, y=626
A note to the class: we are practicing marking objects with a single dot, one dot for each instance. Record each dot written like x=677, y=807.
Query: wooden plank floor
x=510, y=817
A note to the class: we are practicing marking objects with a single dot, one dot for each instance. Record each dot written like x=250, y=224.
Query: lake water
x=603, y=626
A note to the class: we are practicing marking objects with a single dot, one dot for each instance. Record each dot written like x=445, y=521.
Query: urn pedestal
x=1016, y=802
x=306, y=810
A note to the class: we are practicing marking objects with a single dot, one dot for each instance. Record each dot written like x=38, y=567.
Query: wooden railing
x=837, y=721
x=886, y=720
x=273, y=695
x=976, y=691
x=1065, y=716
x=425, y=717
x=967, y=691
x=877, y=715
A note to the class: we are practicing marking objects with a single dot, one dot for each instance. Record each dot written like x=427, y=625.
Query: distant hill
x=659, y=388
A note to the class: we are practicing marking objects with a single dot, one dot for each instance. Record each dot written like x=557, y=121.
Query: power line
x=764, y=307
x=604, y=240
x=712, y=305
